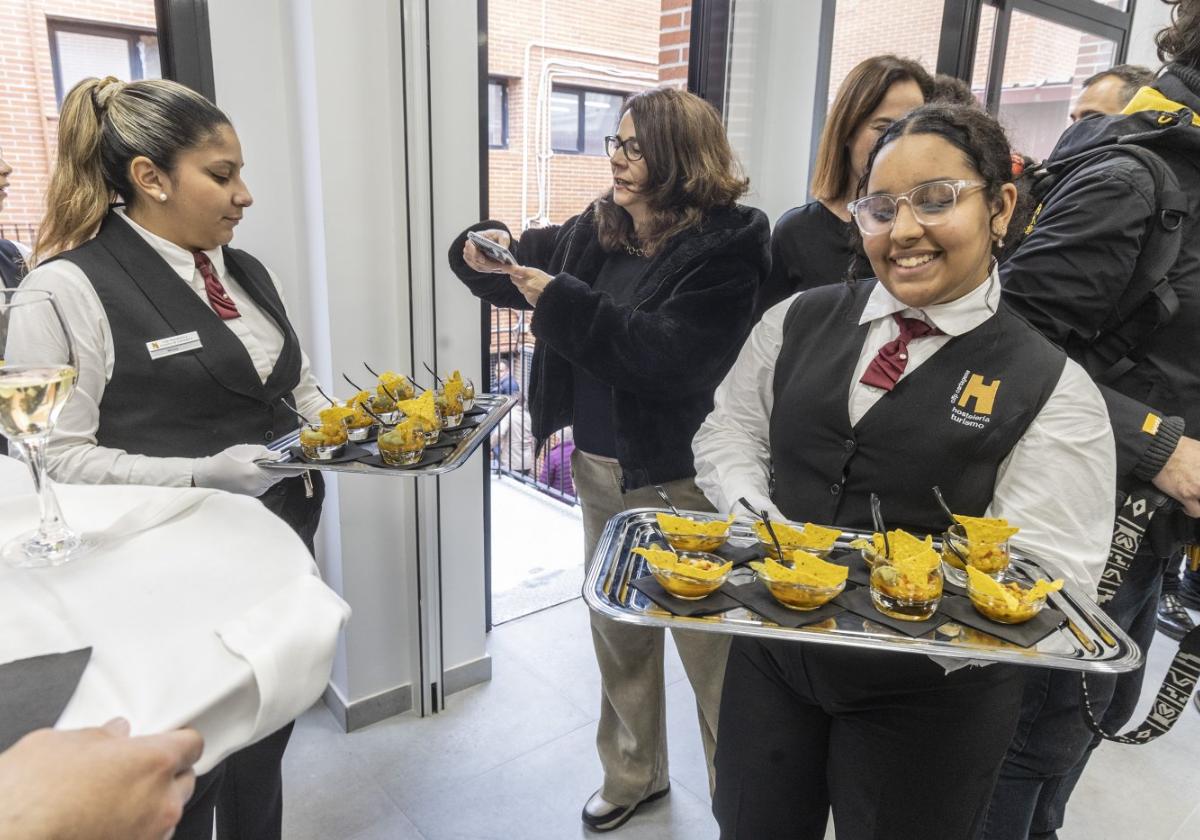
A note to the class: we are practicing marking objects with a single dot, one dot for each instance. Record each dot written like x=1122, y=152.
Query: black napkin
x=352, y=453
x=453, y=436
x=754, y=596
x=34, y=692
x=740, y=555
x=715, y=603
x=858, y=601
x=860, y=572
x=467, y=423
x=1027, y=634
x=474, y=411
x=428, y=457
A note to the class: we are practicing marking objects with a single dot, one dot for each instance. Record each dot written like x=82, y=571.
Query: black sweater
x=663, y=353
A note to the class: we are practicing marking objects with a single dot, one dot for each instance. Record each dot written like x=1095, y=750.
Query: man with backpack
x=1110, y=271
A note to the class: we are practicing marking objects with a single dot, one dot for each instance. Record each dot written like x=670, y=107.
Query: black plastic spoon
x=941, y=500
x=877, y=518
x=766, y=520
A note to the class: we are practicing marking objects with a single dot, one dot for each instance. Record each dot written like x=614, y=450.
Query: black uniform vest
x=950, y=423
x=191, y=404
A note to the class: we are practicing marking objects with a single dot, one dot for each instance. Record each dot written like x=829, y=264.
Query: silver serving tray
x=496, y=406
x=1089, y=641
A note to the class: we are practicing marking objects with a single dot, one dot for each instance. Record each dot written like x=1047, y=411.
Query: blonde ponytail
x=78, y=198
x=104, y=125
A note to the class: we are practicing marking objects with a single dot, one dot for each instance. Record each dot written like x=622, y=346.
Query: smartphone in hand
x=493, y=250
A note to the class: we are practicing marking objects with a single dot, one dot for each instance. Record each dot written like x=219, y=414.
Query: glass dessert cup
x=386, y=410
x=468, y=395
x=357, y=432
x=990, y=558
x=896, y=595
x=400, y=449
x=800, y=596
x=704, y=543
x=431, y=430
x=323, y=441
x=1001, y=611
x=682, y=585
x=451, y=410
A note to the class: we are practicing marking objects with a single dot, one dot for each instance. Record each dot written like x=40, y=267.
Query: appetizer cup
x=800, y=596
x=989, y=558
x=896, y=595
x=682, y=585
x=385, y=409
x=323, y=441
x=1001, y=611
x=695, y=542
x=451, y=410
x=398, y=450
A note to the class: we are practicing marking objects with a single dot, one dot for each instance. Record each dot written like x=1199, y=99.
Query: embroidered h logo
x=984, y=395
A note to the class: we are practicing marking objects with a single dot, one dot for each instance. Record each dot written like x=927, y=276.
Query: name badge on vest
x=174, y=345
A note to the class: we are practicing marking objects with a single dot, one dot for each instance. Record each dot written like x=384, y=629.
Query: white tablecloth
x=215, y=618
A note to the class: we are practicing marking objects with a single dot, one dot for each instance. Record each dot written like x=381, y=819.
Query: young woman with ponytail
x=141, y=208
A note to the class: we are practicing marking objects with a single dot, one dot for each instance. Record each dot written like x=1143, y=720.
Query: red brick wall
x=29, y=116
x=646, y=33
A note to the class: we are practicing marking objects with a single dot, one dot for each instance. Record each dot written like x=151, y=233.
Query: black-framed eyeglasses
x=629, y=145
x=931, y=204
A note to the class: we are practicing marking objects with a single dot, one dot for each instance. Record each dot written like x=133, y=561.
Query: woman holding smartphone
x=188, y=364
x=640, y=304
x=921, y=378
x=811, y=244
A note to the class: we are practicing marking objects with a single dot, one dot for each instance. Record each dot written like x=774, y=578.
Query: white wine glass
x=38, y=370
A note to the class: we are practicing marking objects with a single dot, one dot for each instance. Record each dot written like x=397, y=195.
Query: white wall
x=316, y=90
x=773, y=73
x=1149, y=16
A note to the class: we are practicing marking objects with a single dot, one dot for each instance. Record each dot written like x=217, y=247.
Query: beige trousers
x=632, y=735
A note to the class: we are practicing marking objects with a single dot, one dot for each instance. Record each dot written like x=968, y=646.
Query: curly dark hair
x=983, y=144
x=1181, y=40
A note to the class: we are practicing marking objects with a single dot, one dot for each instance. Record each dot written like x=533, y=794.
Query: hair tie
x=104, y=91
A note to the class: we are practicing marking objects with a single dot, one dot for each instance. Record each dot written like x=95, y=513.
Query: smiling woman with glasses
x=931, y=203
x=640, y=304
x=892, y=386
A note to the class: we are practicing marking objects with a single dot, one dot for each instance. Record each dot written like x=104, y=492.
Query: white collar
x=955, y=317
x=180, y=259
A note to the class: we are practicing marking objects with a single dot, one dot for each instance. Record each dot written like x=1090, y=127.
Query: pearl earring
x=162, y=196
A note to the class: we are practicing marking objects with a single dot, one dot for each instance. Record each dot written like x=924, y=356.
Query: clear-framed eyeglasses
x=630, y=146
x=931, y=204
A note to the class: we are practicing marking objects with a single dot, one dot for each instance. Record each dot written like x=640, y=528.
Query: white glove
x=234, y=470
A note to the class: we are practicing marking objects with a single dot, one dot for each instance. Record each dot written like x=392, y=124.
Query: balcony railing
x=511, y=348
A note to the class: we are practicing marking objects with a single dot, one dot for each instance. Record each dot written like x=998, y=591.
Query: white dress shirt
x=73, y=455
x=1058, y=484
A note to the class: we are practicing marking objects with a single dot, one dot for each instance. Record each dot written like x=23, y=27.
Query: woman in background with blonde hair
x=141, y=208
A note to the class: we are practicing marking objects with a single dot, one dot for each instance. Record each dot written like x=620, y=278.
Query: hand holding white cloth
x=235, y=470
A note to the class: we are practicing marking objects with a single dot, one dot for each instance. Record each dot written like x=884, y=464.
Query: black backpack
x=1149, y=302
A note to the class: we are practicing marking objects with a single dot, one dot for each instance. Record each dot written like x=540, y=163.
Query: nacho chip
x=333, y=415
x=1042, y=589
x=984, y=530
x=395, y=383
x=686, y=525
x=985, y=586
x=807, y=569
x=660, y=559
x=811, y=537
x=423, y=406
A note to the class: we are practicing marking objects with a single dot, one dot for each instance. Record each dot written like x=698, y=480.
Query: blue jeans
x=1052, y=743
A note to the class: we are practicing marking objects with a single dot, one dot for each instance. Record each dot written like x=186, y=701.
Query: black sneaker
x=618, y=815
x=1173, y=618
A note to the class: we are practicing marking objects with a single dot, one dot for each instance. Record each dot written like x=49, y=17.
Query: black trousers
x=895, y=746
x=247, y=787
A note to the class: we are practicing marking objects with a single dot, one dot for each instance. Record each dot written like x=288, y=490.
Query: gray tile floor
x=513, y=759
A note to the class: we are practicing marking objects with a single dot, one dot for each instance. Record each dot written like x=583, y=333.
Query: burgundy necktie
x=885, y=369
x=218, y=298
